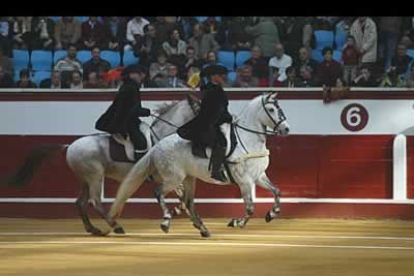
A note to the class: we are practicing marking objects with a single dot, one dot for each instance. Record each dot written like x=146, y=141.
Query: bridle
x=280, y=113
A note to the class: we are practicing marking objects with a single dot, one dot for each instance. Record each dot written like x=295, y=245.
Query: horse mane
x=165, y=107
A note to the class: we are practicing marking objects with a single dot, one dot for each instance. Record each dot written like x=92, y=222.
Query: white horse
x=171, y=162
x=89, y=158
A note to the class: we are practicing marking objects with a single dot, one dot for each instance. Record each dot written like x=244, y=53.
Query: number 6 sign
x=354, y=117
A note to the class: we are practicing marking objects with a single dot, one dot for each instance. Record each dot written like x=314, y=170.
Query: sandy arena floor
x=282, y=247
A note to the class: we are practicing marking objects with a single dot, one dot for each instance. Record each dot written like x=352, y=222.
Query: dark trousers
x=137, y=137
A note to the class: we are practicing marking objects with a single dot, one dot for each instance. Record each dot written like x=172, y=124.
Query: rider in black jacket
x=123, y=115
x=205, y=128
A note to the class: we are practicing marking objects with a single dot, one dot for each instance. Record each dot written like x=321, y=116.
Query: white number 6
x=353, y=112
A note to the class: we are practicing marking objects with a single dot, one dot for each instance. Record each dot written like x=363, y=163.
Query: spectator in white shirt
x=135, y=33
x=281, y=61
x=68, y=64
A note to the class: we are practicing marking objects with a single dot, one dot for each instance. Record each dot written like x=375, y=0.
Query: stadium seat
x=59, y=54
x=317, y=55
x=323, y=39
x=84, y=56
x=227, y=58
x=337, y=55
x=113, y=57
x=129, y=58
x=20, y=59
x=38, y=76
x=201, y=19
x=340, y=39
x=241, y=57
x=231, y=77
x=54, y=18
x=41, y=60
x=81, y=19
x=410, y=53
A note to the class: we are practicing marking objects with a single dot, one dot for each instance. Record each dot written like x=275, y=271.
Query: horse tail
x=136, y=176
x=32, y=163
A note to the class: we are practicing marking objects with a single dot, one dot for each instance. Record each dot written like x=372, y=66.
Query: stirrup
x=138, y=154
x=220, y=176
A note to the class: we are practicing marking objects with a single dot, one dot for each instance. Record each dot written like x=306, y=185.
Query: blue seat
x=231, y=77
x=113, y=57
x=317, y=55
x=59, y=54
x=337, y=55
x=54, y=18
x=41, y=60
x=410, y=53
x=340, y=39
x=84, y=56
x=81, y=19
x=201, y=19
x=227, y=58
x=241, y=57
x=38, y=76
x=20, y=59
x=129, y=58
x=323, y=39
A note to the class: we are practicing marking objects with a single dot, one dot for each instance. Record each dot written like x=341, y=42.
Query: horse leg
x=82, y=204
x=95, y=201
x=190, y=185
x=177, y=210
x=246, y=191
x=159, y=193
x=265, y=183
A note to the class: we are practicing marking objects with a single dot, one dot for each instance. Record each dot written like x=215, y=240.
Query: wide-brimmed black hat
x=214, y=70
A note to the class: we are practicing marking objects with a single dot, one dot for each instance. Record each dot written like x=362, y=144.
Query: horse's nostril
x=287, y=129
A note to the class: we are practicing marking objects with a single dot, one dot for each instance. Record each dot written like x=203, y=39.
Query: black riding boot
x=217, y=158
x=140, y=144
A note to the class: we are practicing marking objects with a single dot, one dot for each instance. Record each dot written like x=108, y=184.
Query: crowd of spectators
x=282, y=51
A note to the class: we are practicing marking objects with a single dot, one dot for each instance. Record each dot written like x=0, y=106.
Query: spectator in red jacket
x=329, y=70
x=350, y=56
x=94, y=34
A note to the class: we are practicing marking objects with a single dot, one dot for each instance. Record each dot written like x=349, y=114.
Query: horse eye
x=271, y=109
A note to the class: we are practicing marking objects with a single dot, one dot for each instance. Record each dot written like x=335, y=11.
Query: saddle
x=200, y=150
x=122, y=149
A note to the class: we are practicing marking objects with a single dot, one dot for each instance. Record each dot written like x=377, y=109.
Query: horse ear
x=268, y=95
x=275, y=95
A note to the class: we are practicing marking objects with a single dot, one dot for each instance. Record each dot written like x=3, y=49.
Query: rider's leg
x=138, y=140
x=218, y=156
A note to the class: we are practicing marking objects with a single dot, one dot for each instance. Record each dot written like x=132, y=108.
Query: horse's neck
x=177, y=115
x=252, y=141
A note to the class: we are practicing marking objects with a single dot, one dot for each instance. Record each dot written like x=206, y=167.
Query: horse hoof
x=232, y=223
x=176, y=211
x=165, y=226
x=119, y=230
x=268, y=217
x=205, y=234
x=97, y=232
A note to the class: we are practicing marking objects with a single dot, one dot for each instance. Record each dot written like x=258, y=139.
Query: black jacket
x=213, y=112
x=124, y=111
